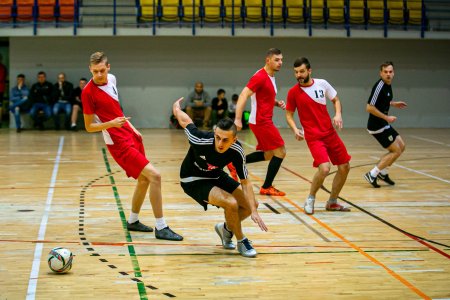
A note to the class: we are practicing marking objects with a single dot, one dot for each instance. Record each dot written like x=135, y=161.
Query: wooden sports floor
x=62, y=189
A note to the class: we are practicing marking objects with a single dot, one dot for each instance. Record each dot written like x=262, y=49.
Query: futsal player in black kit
x=379, y=127
x=203, y=178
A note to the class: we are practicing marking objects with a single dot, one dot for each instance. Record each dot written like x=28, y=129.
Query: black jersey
x=204, y=162
x=381, y=98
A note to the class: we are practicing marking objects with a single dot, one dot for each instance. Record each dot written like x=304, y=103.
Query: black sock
x=254, y=157
x=272, y=171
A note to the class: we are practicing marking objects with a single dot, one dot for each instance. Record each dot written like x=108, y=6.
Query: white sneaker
x=309, y=206
x=225, y=236
x=246, y=249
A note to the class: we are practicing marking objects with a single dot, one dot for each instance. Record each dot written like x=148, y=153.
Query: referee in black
x=379, y=127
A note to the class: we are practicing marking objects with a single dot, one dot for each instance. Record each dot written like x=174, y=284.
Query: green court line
x=280, y=253
x=131, y=251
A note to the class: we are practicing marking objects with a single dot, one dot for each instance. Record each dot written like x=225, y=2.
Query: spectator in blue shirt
x=19, y=100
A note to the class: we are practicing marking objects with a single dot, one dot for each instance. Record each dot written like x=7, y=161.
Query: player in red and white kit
x=102, y=112
x=263, y=90
x=309, y=96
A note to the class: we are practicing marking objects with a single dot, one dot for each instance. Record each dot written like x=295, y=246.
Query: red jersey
x=263, y=100
x=312, y=107
x=102, y=101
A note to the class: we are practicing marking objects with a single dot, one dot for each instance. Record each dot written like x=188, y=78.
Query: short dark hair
x=235, y=97
x=220, y=91
x=386, y=64
x=82, y=78
x=273, y=51
x=227, y=124
x=20, y=76
x=42, y=73
x=302, y=61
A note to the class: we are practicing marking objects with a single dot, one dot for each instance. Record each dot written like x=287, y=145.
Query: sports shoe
x=138, y=226
x=335, y=207
x=371, y=180
x=225, y=235
x=233, y=172
x=309, y=206
x=386, y=179
x=246, y=249
x=271, y=191
x=167, y=234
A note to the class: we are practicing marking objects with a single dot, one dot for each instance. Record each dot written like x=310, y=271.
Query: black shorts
x=200, y=189
x=387, y=137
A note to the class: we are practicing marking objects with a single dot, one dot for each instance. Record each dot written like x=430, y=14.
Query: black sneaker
x=167, y=234
x=386, y=179
x=371, y=180
x=138, y=226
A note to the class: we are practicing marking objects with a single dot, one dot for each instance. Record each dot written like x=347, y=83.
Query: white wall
x=154, y=71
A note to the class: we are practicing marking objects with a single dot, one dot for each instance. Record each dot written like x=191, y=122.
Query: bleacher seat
x=233, y=7
x=295, y=11
x=24, y=10
x=317, y=11
x=357, y=12
x=149, y=9
x=414, y=11
x=376, y=11
x=278, y=8
x=255, y=11
x=170, y=10
x=191, y=10
x=46, y=10
x=212, y=10
x=396, y=11
x=336, y=11
x=67, y=11
x=6, y=7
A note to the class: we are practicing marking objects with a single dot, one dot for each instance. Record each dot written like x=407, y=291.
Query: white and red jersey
x=311, y=102
x=263, y=100
x=102, y=101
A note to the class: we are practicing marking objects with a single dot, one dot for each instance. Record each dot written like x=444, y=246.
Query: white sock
x=133, y=217
x=374, y=172
x=74, y=124
x=311, y=197
x=160, y=223
x=385, y=171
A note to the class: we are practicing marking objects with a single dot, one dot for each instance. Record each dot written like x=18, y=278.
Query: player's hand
x=391, y=119
x=119, y=121
x=299, y=135
x=337, y=122
x=178, y=102
x=238, y=124
x=257, y=219
x=281, y=104
x=399, y=104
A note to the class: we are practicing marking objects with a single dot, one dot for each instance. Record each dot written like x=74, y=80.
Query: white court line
x=429, y=140
x=416, y=171
x=32, y=283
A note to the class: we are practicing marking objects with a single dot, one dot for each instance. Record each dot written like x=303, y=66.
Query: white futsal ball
x=60, y=260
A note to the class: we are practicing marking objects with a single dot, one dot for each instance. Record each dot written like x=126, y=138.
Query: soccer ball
x=60, y=260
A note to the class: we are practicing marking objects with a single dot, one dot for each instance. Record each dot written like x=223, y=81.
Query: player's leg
x=277, y=156
x=73, y=119
x=139, y=194
x=338, y=184
x=398, y=147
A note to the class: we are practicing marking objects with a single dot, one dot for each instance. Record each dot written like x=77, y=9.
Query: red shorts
x=329, y=148
x=268, y=137
x=130, y=156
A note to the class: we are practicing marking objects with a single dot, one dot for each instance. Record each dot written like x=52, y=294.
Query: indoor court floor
x=63, y=189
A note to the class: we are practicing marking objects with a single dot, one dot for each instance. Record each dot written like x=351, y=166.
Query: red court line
x=355, y=247
x=430, y=246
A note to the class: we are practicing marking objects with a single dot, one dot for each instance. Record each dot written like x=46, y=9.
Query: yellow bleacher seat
x=316, y=10
x=376, y=11
x=336, y=11
x=148, y=9
x=254, y=12
x=229, y=9
x=191, y=10
x=170, y=10
x=396, y=11
x=356, y=11
x=277, y=10
x=414, y=8
x=212, y=10
x=295, y=11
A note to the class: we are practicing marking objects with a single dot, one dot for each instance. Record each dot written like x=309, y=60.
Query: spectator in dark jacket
x=41, y=100
x=62, y=96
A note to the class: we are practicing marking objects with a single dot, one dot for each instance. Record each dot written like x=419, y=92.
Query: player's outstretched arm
x=250, y=197
x=245, y=94
x=399, y=104
x=183, y=119
x=374, y=111
x=91, y=126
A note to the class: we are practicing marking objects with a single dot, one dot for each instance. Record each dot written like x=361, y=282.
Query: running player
x=309, y=96
x=262, y=90
x=102, y=112
x=203, y=178
x=379, y=126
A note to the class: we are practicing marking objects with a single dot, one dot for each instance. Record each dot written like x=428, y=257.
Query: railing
x=272, y=14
